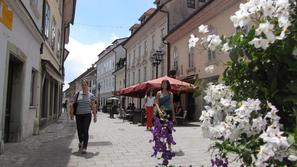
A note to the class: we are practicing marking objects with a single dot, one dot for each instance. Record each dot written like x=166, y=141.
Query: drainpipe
x=163, y=40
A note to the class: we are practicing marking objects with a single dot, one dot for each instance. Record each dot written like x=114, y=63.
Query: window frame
x=53, y=34
x=191, y=4
x=191, y=57
x=46, y=20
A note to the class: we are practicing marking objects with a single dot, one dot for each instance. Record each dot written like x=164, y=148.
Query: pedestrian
x=85, y=107
x=164, y=104
x=149, y=101
x=65, y=105
x=113, y=110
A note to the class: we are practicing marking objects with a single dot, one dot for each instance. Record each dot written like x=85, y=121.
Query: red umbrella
x=139, y=90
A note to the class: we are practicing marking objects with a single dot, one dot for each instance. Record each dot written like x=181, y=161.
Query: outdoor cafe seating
x=138, y=91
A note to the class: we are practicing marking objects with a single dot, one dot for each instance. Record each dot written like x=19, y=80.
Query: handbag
x=75, y=104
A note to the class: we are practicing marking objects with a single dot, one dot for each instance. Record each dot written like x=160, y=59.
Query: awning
x=140, y=89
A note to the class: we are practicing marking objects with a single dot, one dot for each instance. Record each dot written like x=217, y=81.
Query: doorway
x=12, y=130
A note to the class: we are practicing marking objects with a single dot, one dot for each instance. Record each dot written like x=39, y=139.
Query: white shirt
x=149, y=101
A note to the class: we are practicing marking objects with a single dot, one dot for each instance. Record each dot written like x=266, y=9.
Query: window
x=153, y=72
x=191, y=57
x=139, y=49
x=175, y=59
x=201, y=0
x=138, y=75
x=133, y=77
x=58, y=44
x=33, y=87
x=128, y=80
x=162, y=33
x=46, y=20
x=145, y=47
x=153, y=42
x=53, y=35
x=191, y=4
x=129, y=59
x=211, y=55
x=133, y=56
x=144, y=73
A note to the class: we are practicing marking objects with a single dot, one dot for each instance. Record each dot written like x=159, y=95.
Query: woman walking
x=164, y=104
x=85, y=106
x=149, y=104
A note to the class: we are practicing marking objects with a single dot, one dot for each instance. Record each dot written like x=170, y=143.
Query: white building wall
x=20, y=41
x=105, y=68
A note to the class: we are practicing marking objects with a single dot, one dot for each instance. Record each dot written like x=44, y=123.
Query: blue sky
x=97, y=23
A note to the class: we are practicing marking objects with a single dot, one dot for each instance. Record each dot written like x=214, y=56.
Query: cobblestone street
x=113, y=142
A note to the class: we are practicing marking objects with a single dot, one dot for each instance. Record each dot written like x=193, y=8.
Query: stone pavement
x=112, y=143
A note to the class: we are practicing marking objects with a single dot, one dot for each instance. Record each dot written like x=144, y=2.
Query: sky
x=97, y=23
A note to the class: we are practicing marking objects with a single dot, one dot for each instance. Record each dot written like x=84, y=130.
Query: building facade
x=75, y=85
x=105, y=68
x=179, y=10
x=120, y=64
x=23, y=50
x=146, y=40
x=190, y=63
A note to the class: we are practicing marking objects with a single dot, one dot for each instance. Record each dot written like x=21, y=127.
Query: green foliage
x=267, y=75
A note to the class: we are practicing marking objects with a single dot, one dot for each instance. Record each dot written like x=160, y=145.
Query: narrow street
x=113, y=142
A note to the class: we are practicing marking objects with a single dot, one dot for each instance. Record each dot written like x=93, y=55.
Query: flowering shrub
x=162, y=136
x=254, y=113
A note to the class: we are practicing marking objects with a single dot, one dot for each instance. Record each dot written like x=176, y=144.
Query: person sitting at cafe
x=133, y=106
x=178, y=109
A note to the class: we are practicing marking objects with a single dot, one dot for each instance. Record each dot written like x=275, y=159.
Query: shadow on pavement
x=88, y=155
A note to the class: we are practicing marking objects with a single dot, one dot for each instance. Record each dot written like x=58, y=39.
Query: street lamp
x=156, y=59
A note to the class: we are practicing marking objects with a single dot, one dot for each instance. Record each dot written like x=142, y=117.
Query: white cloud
x=80, y=58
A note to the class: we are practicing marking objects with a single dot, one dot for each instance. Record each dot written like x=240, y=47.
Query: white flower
x=214, y=41
x=295, y=51
x=241, y=18
x=268, y=8
x=292, y=157
x=266, y=151
x=284, y=22
x=282, y=35
x=226, y=47
x=193, y=40
x=203, y=29
x=267, y=29
x=209, y=69
x=260, y=43
x=259, y=124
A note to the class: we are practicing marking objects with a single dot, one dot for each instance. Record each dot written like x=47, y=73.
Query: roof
x=121, y=41
x=147, y=13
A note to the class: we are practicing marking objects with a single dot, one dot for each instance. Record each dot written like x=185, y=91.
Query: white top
x=149, y=101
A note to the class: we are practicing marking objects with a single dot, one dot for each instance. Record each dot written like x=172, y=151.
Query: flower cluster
x=223, y=120
x=265, y=12
x=162, y=136
x=219, y=162
x=262, y=69
x=272, y=18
